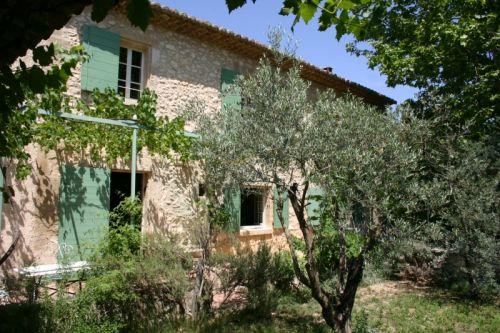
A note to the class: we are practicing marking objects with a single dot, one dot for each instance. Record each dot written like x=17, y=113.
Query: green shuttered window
x=232, y=196
x=230, y=97
x=101, y=70
x=83, y=210
x=232, y=202
x=284, y=196
x=313, y=207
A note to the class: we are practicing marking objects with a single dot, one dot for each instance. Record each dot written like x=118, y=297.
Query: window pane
x=135, y=86
x=122, y=72
x=123, y=54
x=252, y=207
x=135, y=94
x=122, y=83
x=136, y=58
x=135, y=74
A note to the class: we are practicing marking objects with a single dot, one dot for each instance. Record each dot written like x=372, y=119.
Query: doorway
x=120, y=187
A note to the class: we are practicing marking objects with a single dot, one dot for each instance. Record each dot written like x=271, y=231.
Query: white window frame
x=128, y=72
x=263, y=225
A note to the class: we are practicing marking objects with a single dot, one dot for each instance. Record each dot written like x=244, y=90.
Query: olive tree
x=355, y=159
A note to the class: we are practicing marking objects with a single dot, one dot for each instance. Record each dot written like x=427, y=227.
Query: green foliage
x=218, y=214
x=405, y=258
x=128, y=211
x=120, y=242
x=48, y=75
x=234, y=4
x=265, y=276
x=102, y=142
x=160, y=135
x=366, y=162
x=139, y=12
x=129, y=287
x=445, y=48
x=51, y=69
x=408, y=310
x=327, y=250
x=468, y=215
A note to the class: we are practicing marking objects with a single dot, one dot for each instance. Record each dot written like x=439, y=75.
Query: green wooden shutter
x=101, y=70
x=83, y=210
x=284, y=195
x=232, y=202
x=313, y=212
x=230, y=98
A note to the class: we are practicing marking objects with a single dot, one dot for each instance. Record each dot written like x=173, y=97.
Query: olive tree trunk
x=336, y=309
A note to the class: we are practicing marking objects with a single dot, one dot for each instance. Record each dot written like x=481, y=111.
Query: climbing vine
x=102, y=142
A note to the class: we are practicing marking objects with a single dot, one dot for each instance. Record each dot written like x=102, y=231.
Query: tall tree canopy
x=360, y=165
x=448, y=48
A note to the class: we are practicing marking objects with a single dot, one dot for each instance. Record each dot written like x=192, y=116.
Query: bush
x=129, y=287
x=264, y=275
x=470, y=276
x=360, y=323
x=405, y=259
x=128, y=211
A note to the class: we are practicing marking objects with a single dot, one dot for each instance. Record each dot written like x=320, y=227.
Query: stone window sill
x=130, y=101
x=255, y=231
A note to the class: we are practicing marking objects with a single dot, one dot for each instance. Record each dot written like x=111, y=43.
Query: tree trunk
x=336, y=310
x=196, y=306
x=202, y=294
x=340, y=322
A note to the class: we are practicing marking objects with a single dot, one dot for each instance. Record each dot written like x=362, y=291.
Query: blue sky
x=318, y=48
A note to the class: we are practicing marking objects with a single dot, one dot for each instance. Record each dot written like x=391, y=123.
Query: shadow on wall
x=63, y=191
x=31, y=213
x=170, y=197
x=83, y=209
x=36, y=208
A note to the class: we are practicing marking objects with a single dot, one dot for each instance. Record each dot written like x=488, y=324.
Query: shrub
x=128, y=211
x=263, y=274
x=129, y=287
x=406, y=259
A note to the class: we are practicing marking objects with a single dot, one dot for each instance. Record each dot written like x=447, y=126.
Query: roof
x=184, y=24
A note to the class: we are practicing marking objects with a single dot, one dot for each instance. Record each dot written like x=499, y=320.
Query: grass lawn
x=384, y=307
x=400, y=308
x=380, y=307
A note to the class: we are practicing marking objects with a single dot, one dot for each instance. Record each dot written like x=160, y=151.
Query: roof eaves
x=207, y=32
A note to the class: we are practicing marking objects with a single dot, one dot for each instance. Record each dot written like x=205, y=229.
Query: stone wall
x=178, y=69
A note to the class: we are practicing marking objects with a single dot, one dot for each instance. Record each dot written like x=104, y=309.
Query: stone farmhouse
x=63, y=205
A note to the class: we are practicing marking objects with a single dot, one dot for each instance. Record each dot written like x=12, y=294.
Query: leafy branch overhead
x=50, y=66
x=448, y=48
x=24, y=29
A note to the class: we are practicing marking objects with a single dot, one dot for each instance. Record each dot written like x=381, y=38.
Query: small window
x=120, y=187
x=252, y=207
x=130, y=73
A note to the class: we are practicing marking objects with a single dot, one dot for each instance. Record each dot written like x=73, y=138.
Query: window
x=130, y=73
x=120, y=187
x=252, y=207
